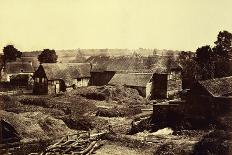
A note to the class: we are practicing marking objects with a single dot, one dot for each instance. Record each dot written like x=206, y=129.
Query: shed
x=140, y=81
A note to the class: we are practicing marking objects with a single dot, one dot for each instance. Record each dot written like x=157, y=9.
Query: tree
x=223, y=54
x=205, y=60
x=204, y=54
x=223, y=47
x=48, y=56
x=11, y=53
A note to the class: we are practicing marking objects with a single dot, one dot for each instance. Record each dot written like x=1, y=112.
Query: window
x=36, y=79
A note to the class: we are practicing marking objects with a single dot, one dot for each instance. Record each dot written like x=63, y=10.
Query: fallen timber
x=77, y=144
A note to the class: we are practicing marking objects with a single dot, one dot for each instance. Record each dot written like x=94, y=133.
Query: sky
x=71, y=24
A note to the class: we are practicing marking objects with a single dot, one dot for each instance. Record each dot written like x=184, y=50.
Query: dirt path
x=114, y=149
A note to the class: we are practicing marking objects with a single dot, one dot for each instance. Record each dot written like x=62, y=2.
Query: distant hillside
x=105, y=52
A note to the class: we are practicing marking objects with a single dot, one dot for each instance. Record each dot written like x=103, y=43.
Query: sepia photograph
x=115, y=77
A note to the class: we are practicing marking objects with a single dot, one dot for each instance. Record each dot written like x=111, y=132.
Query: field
x=104, y=109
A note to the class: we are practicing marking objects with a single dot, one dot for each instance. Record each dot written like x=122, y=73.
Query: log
x=85, y=151
x=95, y=147
x=56, y=144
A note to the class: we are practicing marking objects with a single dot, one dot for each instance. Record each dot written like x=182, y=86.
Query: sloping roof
x=34, y=60
x=19, y=67
x=131, y=79
x=218, y=86
x=66, y=71
x=164, y=65
x=134, y=64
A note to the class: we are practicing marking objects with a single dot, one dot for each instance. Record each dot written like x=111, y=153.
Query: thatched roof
x=34, y=60
x=65, y=71
x=131, y=79
x=134, y=64
x=19, y=67
x=218, y=86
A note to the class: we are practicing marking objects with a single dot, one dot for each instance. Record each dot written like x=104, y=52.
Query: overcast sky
x=72, y=24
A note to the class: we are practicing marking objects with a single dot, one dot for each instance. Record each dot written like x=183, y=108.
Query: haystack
x=35, y=126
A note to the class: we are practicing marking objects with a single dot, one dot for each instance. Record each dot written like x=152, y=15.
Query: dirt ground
x=115, y=149
x=76, y=109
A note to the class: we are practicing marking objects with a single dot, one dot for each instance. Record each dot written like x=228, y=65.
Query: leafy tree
x=11, y=53
x=204, y=54
x=205, y=60
x=48, y=56
x=223, y=54
x=223, y=46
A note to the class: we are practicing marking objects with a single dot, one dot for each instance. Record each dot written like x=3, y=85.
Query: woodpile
x=77, y=144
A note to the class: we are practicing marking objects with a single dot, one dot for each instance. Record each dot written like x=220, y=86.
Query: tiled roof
x=218, y=86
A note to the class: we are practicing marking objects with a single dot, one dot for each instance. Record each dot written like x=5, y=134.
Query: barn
x=166, y=80
x=52, y=78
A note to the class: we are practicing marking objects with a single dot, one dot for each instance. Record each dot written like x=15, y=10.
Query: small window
x=36, y=79
x=21, y=70
x=79, y=79
x=42, y=80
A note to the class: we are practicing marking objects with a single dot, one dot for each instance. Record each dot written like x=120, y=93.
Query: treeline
x=10, y=54
x=208, y=62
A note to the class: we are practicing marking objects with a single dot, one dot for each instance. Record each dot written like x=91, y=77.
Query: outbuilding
x=52, y=78
x=139, y=81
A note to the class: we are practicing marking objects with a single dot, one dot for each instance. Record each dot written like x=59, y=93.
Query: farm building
x=167, y=79
x=52, y=78
x=100, y=76
x=18, y=73
x=213, y=95
x=139, y=81
x=213, y=87
x=166, y=82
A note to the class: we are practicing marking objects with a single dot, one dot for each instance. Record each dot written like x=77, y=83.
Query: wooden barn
x=139, y=81
x=52, y=78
